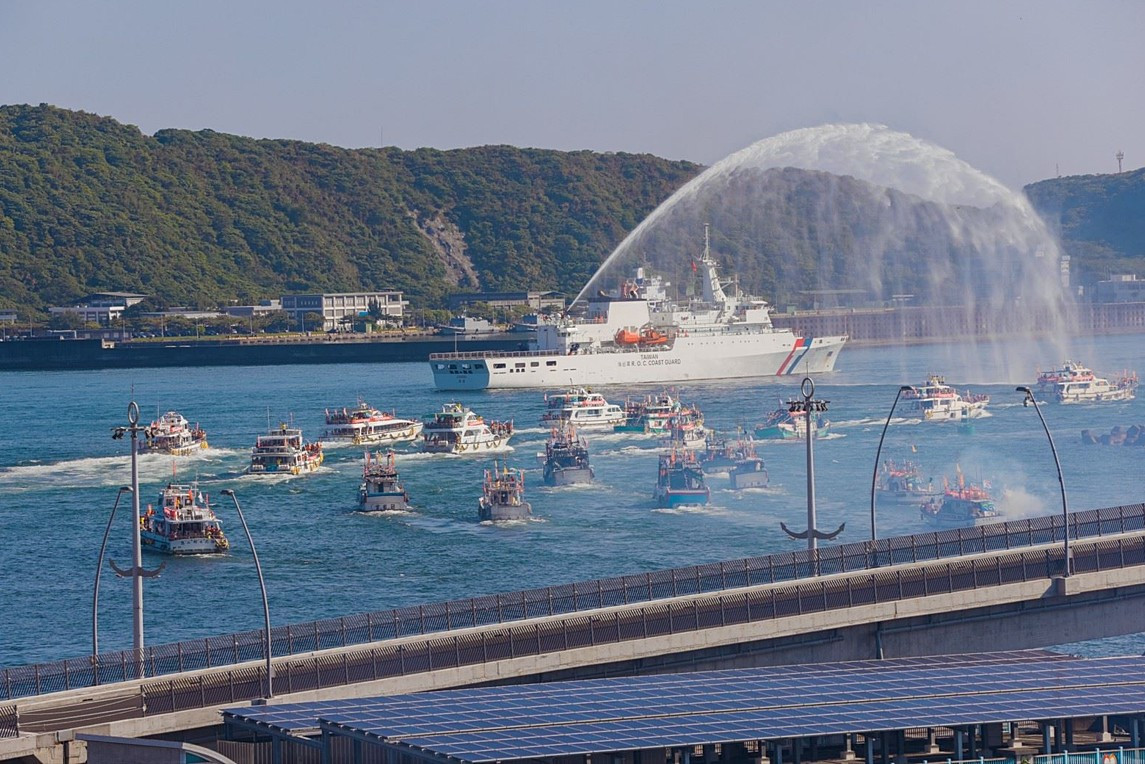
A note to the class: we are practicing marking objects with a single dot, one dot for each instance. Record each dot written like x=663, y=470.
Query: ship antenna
x=707, y=241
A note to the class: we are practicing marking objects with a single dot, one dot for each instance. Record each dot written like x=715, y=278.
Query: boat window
x=550, y=363
x=478, y=366
x=535, y=363
x=520, y=365
x=498, y=366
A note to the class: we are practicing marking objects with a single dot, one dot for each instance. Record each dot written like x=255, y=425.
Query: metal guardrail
x=565, y=599
x=9, y=722
x=539, y=637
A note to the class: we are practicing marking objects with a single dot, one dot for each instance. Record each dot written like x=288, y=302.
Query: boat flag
x=913, y=448
x=693, y=266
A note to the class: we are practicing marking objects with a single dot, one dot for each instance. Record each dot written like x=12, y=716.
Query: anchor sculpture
x=136, y=572
x=808, y=405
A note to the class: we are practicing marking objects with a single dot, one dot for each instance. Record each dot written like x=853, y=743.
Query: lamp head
x=1029, y=395
x=228, y=492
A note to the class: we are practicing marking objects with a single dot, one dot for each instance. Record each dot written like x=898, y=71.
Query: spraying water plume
x=864, y=215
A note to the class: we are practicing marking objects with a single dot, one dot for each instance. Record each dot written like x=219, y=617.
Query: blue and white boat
x=681, y=480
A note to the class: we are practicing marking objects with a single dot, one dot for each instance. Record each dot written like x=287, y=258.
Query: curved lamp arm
x=262, y=588
x=878, y=453
x=98, y=570
x=1061, y=480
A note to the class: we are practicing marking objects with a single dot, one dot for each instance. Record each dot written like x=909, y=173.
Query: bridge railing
x=107, y=668
x=529, y=639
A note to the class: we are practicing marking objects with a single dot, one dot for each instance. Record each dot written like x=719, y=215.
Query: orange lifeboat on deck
x=653, y=337
x=627, y=337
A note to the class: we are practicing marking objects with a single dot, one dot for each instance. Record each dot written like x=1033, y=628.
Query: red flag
x=693, y=266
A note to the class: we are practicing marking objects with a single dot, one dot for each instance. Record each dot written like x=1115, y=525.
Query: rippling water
x=59, y=470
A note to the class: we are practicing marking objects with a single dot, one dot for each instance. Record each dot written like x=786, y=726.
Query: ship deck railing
x=460, y=356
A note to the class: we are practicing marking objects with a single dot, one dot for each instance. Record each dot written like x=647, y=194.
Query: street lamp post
x=136, y=571
x=1061, y=480
x=878, y=454
x=98, y=570
x=262, y=588
x=808, y=406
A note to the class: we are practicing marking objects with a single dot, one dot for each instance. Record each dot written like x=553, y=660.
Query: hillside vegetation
x=202, y=218
x=198, y=218
x=1100, y=220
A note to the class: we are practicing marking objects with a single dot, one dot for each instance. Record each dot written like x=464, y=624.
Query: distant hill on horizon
x=202, y=218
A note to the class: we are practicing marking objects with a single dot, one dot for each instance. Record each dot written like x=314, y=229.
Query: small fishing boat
x=782, y=424
x=172, y=434
x=720, y=455
x=969, y=504
x=902, y=482
x=680, y=480
x=183, y=523
x=748, y=472
x=937, y=401
x=585, y=412
x=283, y=451
x=366, y=424
x=457, y=430
x=503, y=497
x=688, y=434
x=566, y=458
x=380, y=490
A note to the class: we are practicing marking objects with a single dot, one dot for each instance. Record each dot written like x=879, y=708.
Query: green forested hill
x=198, y=218
x=202, y=218
x=1099, y=218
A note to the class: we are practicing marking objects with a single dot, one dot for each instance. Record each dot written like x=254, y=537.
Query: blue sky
x=1020, y=90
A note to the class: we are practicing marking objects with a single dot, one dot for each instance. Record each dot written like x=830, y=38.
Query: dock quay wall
x=56, y=354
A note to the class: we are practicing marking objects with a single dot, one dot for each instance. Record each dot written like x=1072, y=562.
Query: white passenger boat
x=457, y=430
x=937, y=401
x=381, y=490
x=172, y=434
x=283, y=452
x=366, y=424
x=1070, y=371
x=182, y=524
x=585, y=411
x=1083, y=386
x=638, y=335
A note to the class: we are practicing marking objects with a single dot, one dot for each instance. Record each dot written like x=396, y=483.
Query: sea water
x=60, y=471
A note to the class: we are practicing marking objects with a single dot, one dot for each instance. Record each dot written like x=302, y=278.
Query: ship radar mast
x=713, y=292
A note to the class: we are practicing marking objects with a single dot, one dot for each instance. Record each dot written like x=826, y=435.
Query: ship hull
x=690, y=358
x=178, y=547
x=488, y=512
x=568, y=476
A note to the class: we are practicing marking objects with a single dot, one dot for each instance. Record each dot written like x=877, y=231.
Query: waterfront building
x=1121, y=287
x=103, y=308
x=340, y=308
x=535, y=301
x=248, y=311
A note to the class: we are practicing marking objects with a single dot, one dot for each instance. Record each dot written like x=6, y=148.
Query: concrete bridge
x=995, y=587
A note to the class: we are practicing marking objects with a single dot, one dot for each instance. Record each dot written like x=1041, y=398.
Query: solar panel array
x=570, y=718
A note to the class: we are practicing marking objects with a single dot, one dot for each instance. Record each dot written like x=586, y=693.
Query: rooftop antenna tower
x=1120, y=155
